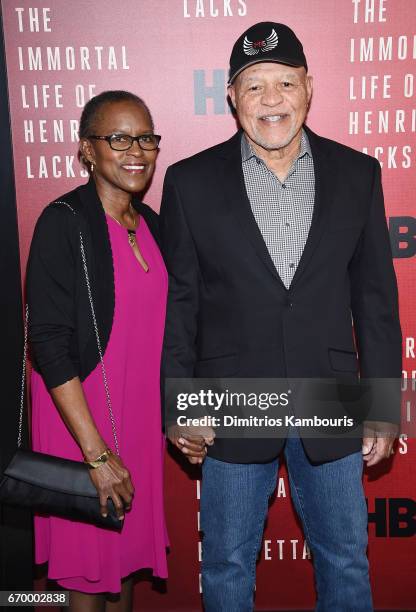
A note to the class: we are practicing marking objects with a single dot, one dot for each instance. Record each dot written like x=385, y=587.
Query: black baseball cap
x=266, y=42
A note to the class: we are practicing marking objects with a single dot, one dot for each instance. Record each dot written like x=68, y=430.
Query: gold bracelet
x=103, y=458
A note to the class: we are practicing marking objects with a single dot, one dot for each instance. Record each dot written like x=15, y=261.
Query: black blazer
x=230, y=315
x=61, y=333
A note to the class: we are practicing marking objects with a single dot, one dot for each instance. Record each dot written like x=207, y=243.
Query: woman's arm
x=111, y=479
x=51, y=287
x=70, y=400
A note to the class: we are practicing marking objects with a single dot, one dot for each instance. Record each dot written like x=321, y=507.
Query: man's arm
x=179, y=351
x=182, y=264
x=375, y=312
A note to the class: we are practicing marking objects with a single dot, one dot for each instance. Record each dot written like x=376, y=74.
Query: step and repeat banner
x=174, y=54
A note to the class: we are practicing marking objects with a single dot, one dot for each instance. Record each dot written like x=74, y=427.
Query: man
x=273, y=241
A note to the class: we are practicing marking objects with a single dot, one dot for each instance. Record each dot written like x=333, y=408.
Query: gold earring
x=92, y=167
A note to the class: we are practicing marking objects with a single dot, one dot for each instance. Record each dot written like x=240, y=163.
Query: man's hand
x=378, y=439
x=192, y=441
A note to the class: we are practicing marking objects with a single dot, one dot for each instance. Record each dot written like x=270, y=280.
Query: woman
x=70, y=417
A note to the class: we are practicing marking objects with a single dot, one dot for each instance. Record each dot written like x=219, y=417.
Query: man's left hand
x=378, y=439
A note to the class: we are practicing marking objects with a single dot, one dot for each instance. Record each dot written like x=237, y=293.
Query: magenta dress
x=83, y=557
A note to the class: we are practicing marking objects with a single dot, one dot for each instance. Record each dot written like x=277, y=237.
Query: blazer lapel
x=237, y=200
x=323, y=181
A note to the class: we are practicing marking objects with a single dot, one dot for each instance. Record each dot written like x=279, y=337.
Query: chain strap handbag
x=51, y=485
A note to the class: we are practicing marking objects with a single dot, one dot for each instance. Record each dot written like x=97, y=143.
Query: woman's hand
x=112, y=479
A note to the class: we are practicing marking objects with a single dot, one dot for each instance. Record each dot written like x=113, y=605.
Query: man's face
x=271, y=101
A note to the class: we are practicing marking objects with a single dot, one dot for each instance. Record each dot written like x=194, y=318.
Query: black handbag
x=51, y=485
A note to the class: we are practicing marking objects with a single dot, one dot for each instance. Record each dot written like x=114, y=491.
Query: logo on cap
x=252, y=48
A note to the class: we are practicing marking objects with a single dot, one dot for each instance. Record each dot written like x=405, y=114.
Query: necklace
x=131, y=209
x=131, y=236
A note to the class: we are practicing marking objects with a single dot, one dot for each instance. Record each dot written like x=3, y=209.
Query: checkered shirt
x=283, y=211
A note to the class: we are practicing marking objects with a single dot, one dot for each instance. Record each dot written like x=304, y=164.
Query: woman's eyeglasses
x=123, y=142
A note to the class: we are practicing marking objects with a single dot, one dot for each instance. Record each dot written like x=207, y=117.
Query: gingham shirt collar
x=247, y=151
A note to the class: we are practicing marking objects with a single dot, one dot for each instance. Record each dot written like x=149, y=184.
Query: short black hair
x=93, y=107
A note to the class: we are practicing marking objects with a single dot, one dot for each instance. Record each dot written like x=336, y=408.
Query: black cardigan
x=61, y=332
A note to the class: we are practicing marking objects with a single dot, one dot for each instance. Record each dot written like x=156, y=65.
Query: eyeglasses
x=123, y=142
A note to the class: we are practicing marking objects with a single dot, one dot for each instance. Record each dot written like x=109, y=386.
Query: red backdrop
x=174, y=53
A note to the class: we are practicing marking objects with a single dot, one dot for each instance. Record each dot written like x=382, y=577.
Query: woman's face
x=128, y=171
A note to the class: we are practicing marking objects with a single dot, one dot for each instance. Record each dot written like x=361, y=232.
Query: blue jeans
x=329, y=500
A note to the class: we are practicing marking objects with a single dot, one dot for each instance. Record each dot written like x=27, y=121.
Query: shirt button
x=292, y=265
x=284, y=186
x=287, y=224
x=289, y=303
